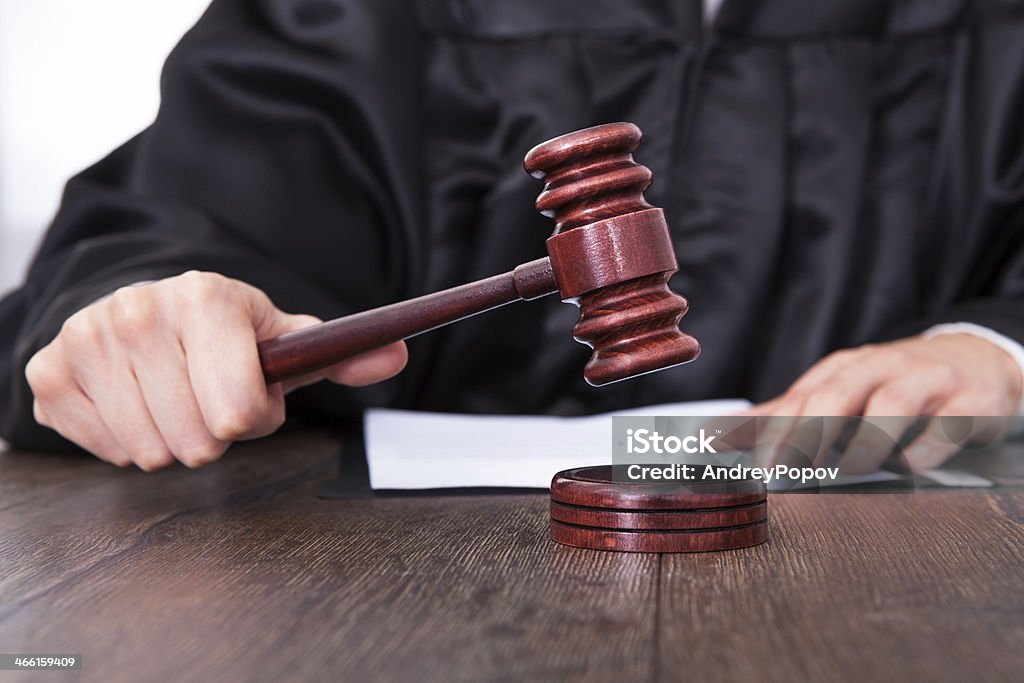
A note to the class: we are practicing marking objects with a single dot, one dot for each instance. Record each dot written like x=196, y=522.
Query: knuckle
x=39, y=415
x=902, y=356
x=82, y=328
x=976, y=401
x=81, y=325
x=842, y=355
x=133, y=311
x=793, y=399
x=942, y=372
x=117, y=459
x=893, y=397
x=154, y=459
x=231, y=424
x=202, y=454
x=102, y=449
x=43, y=377
x=832, y=397
x=203, y=287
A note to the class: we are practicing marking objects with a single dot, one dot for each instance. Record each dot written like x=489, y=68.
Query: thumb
x=372, y=366
x=765, y=409
x=275, y=322
x=268, y=321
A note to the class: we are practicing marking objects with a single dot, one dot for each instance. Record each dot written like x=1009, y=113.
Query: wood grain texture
x=924, y=587
x=247, y=579
x=659, y=519
x=660, y=541
x=238, y=572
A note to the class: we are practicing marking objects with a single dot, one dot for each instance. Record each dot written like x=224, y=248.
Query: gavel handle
x=317, y=347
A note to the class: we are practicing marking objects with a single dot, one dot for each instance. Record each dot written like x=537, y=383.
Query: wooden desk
x=239, y=572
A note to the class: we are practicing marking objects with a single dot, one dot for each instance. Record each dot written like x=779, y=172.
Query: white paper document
x=418, y=450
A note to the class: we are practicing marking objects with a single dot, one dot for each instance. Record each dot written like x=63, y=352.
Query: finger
x=780, y=429
x=844, y=393
x=163, y=377
x=157, y=362
x=75, y=418
x=950, y=430
x=815, y=437
x=785, y=412
x=227, y=380
x=219, y=340
x=823, y=370
x=373, y=366
x=79, y=422
x=772, y=430
x=889, y=413
x=115, y=393
x=873, y=443
x=932, y=448
x=61, y=405
x=793, y=435
x=848, y=391
x=764, y=409
x=807, y=382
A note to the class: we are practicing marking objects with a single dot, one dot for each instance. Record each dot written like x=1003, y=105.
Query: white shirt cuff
x=1014, y=348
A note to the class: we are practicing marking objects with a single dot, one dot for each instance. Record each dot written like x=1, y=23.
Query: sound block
x=660, y=541
x=603, y=487
x=669, y=520
x=600, y=509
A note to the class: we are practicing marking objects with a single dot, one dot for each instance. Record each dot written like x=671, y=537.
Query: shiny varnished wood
x=238, y=572
x=611, y=255
x=659, y=519
x=313, y=348
x=600, y=487
x=660, y=540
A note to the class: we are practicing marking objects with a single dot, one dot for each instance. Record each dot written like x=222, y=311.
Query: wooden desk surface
x=239, y=572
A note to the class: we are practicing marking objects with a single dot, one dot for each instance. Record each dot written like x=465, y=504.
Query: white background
x=77, y=78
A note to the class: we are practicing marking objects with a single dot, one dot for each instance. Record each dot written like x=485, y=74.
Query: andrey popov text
x=682, y=472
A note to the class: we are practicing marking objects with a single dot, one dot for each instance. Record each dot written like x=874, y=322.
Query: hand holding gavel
x=172, y=370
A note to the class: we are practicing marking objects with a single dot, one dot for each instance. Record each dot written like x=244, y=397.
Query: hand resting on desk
x=895, y=383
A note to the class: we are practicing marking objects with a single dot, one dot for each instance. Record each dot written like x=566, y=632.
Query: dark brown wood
x=596, y=487
x=668, y=520
x=690, y=541
x=314, y=348
x=237, y=571
x=611, y=254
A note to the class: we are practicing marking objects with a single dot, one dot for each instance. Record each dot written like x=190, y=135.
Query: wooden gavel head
x=611, y=252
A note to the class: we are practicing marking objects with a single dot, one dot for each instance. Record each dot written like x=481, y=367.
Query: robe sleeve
x=283, y=154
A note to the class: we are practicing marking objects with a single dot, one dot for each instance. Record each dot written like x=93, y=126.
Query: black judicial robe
x=834, y=172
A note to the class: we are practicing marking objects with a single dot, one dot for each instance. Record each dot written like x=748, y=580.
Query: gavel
x=610, y=254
